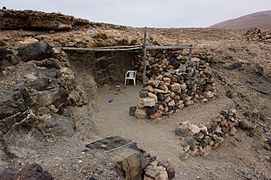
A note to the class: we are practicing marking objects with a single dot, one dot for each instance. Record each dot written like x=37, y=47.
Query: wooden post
x=144, y=56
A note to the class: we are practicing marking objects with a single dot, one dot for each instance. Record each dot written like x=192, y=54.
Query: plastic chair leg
x=134, y=82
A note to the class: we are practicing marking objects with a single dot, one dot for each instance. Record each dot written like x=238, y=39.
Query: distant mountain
x=259, y=20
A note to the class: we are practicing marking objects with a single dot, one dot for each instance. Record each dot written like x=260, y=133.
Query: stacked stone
x=257, y=34
x=174, y=83
x=202, y=139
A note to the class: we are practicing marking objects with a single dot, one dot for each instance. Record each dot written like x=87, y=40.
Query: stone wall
x=106, y=67
x=173, y=83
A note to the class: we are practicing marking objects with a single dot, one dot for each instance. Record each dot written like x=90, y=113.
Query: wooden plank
x=101, y=49
x=120, y=47
x=145, y=56
x=129, y=48
x=169, y=47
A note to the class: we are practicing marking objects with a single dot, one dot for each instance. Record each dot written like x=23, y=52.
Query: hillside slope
x=259, y=19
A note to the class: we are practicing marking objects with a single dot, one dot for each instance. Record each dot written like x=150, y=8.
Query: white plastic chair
x=130, y=75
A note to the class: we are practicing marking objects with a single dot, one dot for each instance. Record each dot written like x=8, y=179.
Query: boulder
x=129, y=164
x=35, y=51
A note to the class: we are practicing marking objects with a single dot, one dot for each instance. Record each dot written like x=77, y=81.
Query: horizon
x=175, y=14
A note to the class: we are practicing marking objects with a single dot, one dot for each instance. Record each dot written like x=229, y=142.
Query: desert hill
x=259, y=20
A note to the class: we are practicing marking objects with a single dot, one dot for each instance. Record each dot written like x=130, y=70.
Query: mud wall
x=106, y=67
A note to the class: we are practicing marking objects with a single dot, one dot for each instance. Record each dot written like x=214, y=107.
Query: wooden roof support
x=129, y=48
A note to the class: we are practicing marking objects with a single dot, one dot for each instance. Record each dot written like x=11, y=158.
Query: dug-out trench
x=106, y=67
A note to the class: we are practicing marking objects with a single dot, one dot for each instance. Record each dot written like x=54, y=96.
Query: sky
x=150, y=13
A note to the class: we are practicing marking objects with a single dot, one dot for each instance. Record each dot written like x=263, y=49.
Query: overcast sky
x=151, y=13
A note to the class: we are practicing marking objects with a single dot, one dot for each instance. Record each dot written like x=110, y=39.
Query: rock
x=132, y=110
x=233, y=131
x=170, y=171
x=30, y=77
x=8, y=174
x=167, y=81
x=153, y=96
x=246, y=125
x=171, y=103
x=151, y=110
x=182, y=68
x=175, y=87
x=143, y=94
x=159, y=91
x=129, y=164
x=210, y=94
x=219, y=141
x=169, y=168
x=140, y=113
x=60, y=126
x=183, y=86
x=157, y=114
x=34, y=172
x=203, y=129
x=204, y=151
x=194, y=129
x=149, y=89
x=155, y=172
x=191, y=142
x=35, y=51
x=183, y=129
x=49, y=63
x=150, y=102
x=29, y=40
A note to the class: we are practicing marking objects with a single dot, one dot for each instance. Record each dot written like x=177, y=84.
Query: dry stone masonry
x=201, y=139
x=259, y=35
x=173, y=83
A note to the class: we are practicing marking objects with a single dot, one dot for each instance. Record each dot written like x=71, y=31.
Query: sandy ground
x=226, y=162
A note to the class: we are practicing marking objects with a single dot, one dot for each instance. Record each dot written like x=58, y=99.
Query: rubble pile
x=259, y=35
x=173, y=83
x=200, y=140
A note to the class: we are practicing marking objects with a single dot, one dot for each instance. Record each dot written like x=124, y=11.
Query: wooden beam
x=102, y=49
x=169, y=47
x=120, y=47
x=130, y=48
x=145, y=56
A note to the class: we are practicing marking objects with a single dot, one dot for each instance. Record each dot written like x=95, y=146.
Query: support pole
x=144, y=56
